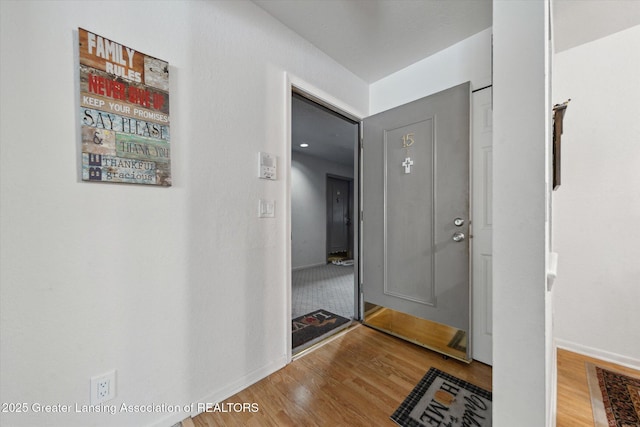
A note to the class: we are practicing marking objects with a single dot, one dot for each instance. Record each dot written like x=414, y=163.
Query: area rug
x=312, y=325
x=615, y=397
x=443, y=400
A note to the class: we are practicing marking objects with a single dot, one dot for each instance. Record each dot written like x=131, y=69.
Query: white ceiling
x=375, y=38
x=576, y=22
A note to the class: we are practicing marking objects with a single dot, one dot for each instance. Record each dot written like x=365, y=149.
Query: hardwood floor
x=574, y=402
x=357, y=379
x=361, y=377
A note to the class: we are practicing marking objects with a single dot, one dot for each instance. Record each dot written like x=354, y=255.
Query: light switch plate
x=267, y=209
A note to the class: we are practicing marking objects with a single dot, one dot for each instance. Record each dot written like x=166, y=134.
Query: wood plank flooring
x=361, y=377
x=357, y=379
x=574, y=402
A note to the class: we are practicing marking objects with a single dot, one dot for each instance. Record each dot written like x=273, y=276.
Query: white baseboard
x=221, y=394
x=308, y=266
x=171, y=420
x=608, y=356
x=239, y=385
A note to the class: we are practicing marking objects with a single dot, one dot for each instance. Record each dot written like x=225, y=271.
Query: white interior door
x=482, y=137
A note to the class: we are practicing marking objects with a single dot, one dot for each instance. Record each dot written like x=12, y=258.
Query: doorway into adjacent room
x=324, y=174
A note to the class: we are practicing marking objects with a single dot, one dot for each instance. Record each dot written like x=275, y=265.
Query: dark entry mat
x=314, y=324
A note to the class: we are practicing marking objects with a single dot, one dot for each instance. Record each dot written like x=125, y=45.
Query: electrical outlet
x=103, y=387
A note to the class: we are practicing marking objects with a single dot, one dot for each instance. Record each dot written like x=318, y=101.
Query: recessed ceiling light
x=304, y=145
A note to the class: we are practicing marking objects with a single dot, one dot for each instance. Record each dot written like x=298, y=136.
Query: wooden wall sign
x=124, y=113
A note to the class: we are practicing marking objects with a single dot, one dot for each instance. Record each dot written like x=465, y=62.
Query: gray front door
x=415, y=194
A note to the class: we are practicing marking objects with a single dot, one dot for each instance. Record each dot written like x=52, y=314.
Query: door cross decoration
x=407, y=165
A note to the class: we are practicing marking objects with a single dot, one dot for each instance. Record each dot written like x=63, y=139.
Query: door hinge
x=361, y=216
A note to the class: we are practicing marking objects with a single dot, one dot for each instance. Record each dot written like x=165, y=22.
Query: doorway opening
x=339, y=220
x=324, y=197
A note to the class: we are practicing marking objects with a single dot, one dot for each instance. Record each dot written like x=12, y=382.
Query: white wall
x=522, y=395
x=309, y=208
x=596, y=211
x=181, y=289
x=468, y=60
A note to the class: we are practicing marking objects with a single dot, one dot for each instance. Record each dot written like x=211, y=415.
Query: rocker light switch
x=267, y=209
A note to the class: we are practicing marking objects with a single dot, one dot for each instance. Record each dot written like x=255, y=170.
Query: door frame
x=302, y=87
x=292, y=82
x=351, y=231
x=482, y=227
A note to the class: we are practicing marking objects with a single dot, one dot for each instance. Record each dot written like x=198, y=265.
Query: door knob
x=458, y=237
x=458, y=222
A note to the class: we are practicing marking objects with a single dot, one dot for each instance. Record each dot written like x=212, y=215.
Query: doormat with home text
x=444, y=400
x=313, y=325
x=615, y=397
